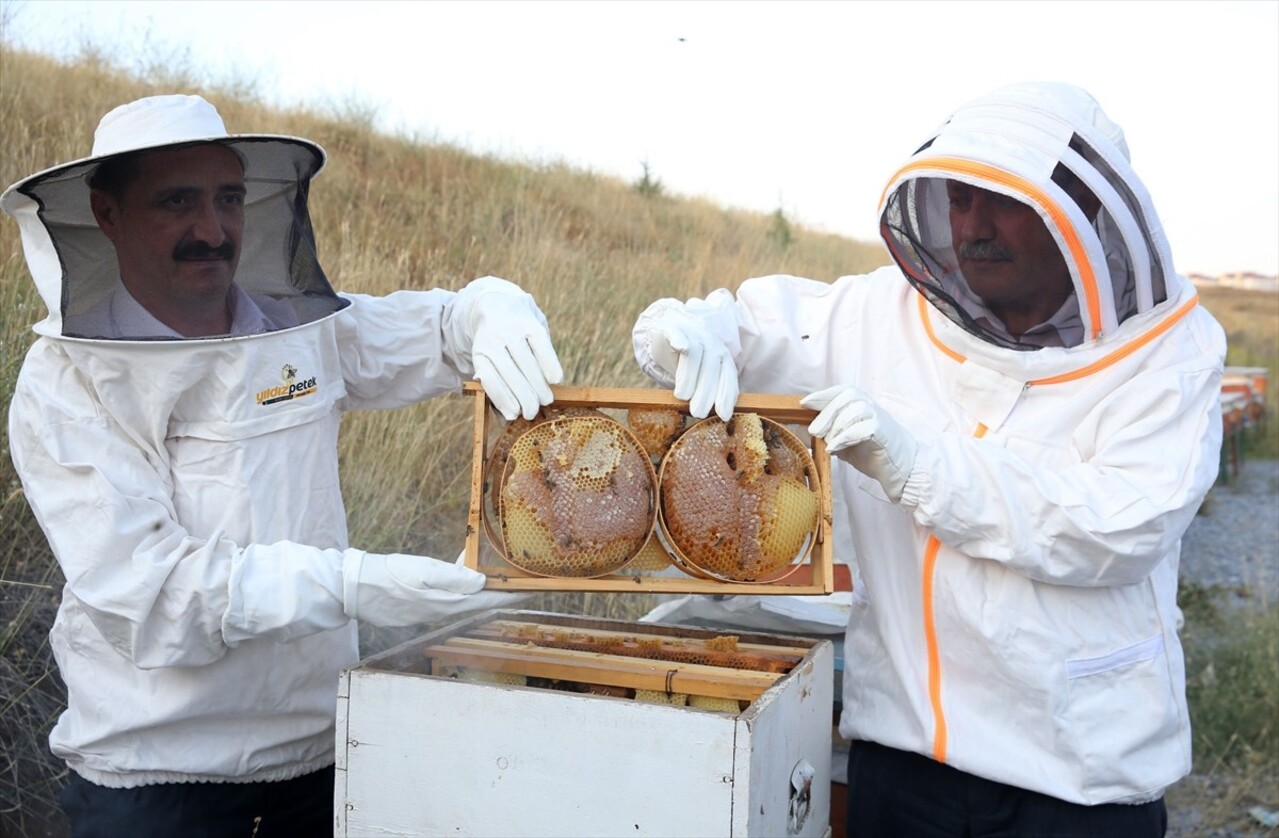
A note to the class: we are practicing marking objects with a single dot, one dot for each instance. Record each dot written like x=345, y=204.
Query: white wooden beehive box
x=423, y=749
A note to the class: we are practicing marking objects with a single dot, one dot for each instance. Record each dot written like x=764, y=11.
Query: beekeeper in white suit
x=1026, y=411
x=175, y=428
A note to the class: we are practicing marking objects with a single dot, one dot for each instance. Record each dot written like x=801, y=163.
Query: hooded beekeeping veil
x=74, y=264
x=1010, y=142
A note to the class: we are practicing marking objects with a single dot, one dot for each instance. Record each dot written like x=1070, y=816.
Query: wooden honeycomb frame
x=813, y=576
x=584, y=650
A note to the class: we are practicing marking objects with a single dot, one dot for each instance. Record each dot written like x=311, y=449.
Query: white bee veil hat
x=74, y=264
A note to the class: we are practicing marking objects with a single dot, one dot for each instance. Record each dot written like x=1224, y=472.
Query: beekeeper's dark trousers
x=894, y=793
x=300, y=807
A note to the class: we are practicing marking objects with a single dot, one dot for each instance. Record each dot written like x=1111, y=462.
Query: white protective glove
x=397, y=589
x=699, y=362
x=864, y=435
x=288, y=590
x=506, y=336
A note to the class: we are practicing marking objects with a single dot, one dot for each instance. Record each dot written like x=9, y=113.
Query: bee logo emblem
x=292, y=388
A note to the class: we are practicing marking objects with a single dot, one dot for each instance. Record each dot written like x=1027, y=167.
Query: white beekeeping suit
x=1016, y=515
x=189, y=487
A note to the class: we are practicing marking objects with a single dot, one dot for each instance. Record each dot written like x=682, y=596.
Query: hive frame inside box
x=428, y=754
x=814, y=576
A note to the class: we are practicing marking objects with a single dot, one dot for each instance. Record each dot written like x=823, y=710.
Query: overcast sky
x=807, y=107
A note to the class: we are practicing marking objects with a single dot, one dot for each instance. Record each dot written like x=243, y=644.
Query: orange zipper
x=934, y=545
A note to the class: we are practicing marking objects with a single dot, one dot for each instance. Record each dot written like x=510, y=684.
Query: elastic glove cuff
x=919, y=483
x=476, y=290
x=653, y=351
x=284, y=591
x=679, y=346
x=466, y=314
x=352, y=563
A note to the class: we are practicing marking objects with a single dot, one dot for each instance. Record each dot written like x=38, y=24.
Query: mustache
x=984, y=251
x=202, y=251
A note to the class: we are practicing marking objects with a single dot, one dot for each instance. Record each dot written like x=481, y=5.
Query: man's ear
x=106, y=211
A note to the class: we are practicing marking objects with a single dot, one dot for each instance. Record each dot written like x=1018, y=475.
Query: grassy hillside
x=392, y=214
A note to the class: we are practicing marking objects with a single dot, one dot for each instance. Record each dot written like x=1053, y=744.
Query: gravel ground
x=1233, y=543
x=1232, y=546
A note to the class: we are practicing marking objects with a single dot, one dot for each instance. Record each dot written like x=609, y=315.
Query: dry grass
x=1232, y=655
x=1233, y=690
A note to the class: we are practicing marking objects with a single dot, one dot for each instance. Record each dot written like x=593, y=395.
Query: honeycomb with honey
x=574, y=493
x=737, y=498
x=655, y=427
x=577, y=498
x=495, y=467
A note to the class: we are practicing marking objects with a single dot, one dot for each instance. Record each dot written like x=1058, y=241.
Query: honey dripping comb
x=576, y=498
x=737, y=499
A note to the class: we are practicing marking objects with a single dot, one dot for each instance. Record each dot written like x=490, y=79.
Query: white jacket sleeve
x=395, y=350
x=163, y=597
x=1147, y=456
x=155, y=593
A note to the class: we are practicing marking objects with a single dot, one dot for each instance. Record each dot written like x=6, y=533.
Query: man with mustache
x=175, y=218
x=1009, y=259
x=1024, y=411
x=175, y=427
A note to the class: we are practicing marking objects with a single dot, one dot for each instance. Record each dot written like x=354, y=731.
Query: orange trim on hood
x=928, y=328
x=1092, y=297
x=1125, y=350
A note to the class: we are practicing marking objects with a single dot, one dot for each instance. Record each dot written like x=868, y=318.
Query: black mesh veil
x=915, y=224
x=278, y=265
x=916, y=227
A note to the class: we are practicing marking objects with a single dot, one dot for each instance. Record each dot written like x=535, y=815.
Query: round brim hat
x=157, y=122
